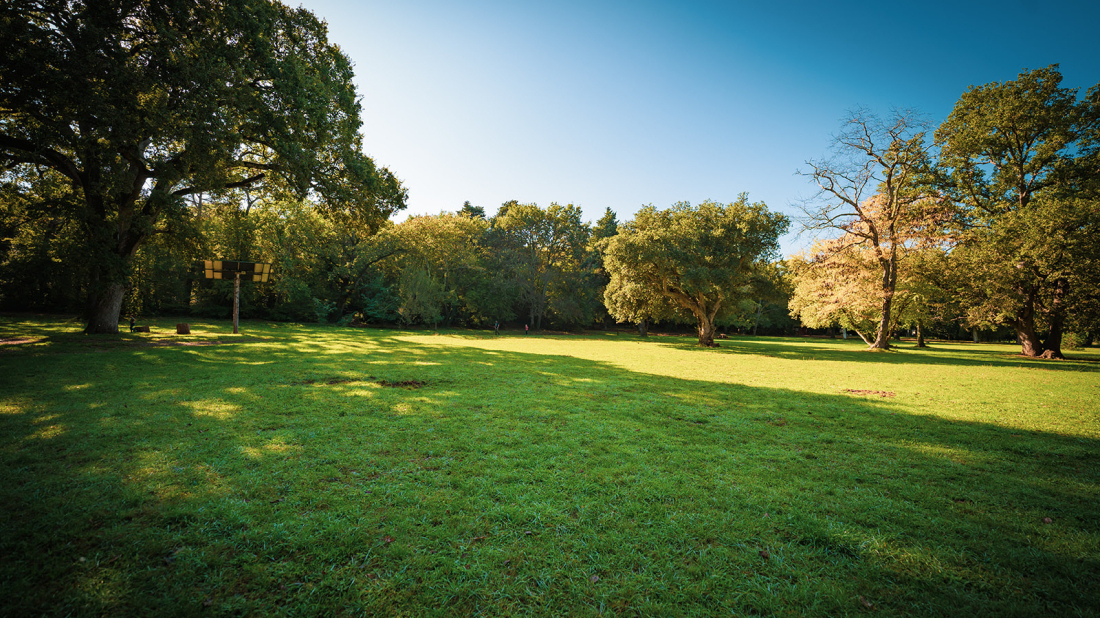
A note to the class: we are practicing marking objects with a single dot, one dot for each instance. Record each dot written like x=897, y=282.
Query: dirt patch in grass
x=402, y=383
x=854, y=391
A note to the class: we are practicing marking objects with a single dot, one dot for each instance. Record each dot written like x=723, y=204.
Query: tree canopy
x=697, y=261
x=1020, y=161
x=134, y=106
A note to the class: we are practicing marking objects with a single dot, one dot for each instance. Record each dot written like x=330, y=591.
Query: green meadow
x=298, y=470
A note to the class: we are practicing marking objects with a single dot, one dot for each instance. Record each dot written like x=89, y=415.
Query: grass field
x=306, y=470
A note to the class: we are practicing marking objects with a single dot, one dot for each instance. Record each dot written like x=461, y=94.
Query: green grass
x=285, y=471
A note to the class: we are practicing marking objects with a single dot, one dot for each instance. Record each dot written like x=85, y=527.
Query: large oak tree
x=690, y=261
x=137, y=104
x=1021, y=159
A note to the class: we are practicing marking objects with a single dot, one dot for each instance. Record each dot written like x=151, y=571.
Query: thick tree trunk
x=1030, y=344
x=104, y=307
x=1052, y=345
x=643, y=328
x=706, y=332
x=920, y=335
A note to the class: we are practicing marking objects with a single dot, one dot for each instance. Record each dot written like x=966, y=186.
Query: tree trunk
x=920, y=335
x=1052, y=345
x=104, y=307
x=706, y=332
x=1030, y=345
x=643, y=328
x=756, y=320
x=882, y=334
x=974, y=333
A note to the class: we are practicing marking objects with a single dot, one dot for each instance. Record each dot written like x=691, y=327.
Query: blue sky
x=621, y=104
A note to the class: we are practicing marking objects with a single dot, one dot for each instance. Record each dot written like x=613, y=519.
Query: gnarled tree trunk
x=706, y=332
x=1030, y=344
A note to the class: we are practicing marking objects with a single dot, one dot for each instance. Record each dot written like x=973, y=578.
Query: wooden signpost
x=249, y=271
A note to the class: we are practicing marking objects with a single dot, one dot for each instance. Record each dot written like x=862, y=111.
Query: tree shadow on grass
x=245, y=479
x=990, y=355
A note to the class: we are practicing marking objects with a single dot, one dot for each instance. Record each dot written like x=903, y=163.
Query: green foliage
x=380, y=302
x=322, y=310
x=690, y=262
x=138, y=105
x=421, y=297
x=547, y=248
x=471, y=211
x=1019, y=159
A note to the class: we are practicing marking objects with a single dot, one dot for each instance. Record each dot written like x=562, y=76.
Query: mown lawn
x=307, y=470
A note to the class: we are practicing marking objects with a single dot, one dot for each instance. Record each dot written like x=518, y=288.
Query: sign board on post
x=259, y=272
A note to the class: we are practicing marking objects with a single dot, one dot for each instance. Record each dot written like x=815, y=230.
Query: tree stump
x=183, y=329
x=141, y=329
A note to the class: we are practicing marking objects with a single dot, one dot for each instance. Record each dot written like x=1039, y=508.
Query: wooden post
x=236, y=300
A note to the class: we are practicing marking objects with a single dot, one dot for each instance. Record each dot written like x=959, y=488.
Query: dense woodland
x=113, y=187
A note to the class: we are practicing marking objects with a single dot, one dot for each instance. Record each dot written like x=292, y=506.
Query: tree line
x=139, y=138
x=540, y=266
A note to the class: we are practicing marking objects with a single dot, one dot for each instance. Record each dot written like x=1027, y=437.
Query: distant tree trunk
x=920, y=335
x=643, y=328
x=756, y=321
x=974, y=333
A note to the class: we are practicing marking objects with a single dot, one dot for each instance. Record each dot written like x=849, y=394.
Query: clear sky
x=622, y=104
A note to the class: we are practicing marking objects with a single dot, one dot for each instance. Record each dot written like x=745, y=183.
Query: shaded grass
x=299, y=470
